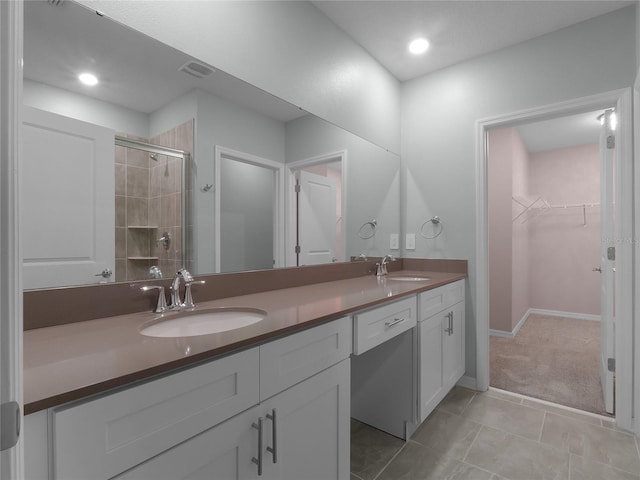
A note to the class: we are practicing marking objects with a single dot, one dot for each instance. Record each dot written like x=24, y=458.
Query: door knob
x=106, y=273
x=596, y=269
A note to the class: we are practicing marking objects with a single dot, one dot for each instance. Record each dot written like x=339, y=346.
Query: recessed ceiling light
x=88, y=78
x=418, y=46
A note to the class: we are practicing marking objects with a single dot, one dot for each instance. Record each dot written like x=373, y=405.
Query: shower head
x=153, y=156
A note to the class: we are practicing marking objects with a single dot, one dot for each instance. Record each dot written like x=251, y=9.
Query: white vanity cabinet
x=441, y=349
x=203, y=422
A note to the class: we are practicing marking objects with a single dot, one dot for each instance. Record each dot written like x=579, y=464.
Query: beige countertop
x=72, y=361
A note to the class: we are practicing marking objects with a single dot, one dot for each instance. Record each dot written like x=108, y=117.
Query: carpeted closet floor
x=551, y=358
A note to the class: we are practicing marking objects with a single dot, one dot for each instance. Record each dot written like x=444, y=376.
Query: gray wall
x=439, y=112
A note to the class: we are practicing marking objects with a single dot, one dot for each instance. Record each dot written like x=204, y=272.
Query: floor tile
x=416, y=462
x=517, y=458
x=371, y=450
x=595, y=420
x=594, y=442
x=507, y=416
x=586, y=469
x=456, y=400
x=446, y=433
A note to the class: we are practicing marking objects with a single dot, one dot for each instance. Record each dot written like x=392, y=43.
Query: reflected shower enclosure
x=151, y=185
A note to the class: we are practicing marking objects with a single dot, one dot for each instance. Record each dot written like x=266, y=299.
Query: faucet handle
x=161, y=306
x=188, y=298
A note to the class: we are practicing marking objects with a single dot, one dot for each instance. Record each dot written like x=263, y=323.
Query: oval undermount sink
x=407, y=277
x=202, y=322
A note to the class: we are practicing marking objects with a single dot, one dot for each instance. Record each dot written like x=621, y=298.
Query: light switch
x=394, y=241
x=410, y=242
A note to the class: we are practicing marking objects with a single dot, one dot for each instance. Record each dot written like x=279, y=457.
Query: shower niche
x=151, y=177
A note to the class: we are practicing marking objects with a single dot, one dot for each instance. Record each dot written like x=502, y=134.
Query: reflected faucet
x=381, y=268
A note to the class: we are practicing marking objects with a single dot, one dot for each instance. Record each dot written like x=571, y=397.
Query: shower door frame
x=622, y=100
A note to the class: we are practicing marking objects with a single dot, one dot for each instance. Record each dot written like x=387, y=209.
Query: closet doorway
x=550, y=199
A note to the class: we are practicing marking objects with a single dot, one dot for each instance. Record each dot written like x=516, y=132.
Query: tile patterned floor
x=498, y=436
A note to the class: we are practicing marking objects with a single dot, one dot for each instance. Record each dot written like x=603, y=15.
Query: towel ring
x=435, y=221
x=368, y=229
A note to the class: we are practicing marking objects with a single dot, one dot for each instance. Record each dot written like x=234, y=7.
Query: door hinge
x=297, y=249
x=611, y=364
x=297, y=188
x=611, y=142
x=611, y=253
x=9, y=425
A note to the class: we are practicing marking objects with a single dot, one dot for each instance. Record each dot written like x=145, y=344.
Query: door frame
x=621, y=99
x=11, y=367
x=290, y=199
x=278, y=211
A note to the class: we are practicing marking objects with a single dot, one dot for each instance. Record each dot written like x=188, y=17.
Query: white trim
x=11, y=367
x=624, y=300
x=291, y=213
x=636, y=243
x=540, y=311
x=558, y=313
x=278, y=221
x=468, y=382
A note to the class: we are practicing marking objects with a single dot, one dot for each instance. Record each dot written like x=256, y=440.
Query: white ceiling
x=457, y=30
x=563, y=132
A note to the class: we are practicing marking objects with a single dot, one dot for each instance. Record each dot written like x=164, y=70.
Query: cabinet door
x=224, y=452
x=312, y=437
x=453, y=346
x=430, y=356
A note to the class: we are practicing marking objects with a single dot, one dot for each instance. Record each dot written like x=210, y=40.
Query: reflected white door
x=67, y=233
x=316, y=219
x=607, y=260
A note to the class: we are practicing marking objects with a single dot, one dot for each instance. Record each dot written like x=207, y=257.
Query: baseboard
x=557, y=313
x=468, y=382
x=540, y=311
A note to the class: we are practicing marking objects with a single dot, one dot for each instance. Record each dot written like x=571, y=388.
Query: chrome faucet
x=174, y=289
x=381, y=268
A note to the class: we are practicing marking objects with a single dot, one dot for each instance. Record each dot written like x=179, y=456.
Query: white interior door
x=67, y=233
x=316, y=219
x=607, y=260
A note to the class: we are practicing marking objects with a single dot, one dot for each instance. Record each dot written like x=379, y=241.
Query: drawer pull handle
x=274, y=448
x=394, y=323
x=258, y=461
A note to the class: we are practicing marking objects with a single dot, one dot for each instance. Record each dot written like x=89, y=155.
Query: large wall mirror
x=168, y=162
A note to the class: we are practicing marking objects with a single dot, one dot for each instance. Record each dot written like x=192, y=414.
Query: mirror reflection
x=218, y=176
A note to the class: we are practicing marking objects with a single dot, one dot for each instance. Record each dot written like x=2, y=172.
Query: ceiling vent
x=195, y=69
x=55, y=2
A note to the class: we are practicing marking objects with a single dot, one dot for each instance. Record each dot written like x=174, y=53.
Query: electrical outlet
x=394, y=241
x=410, y=242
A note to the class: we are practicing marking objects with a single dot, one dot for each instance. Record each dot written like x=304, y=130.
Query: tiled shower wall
x=148, y=203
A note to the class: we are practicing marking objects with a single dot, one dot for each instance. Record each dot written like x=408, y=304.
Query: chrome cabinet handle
x=274, y=436
x=449, y=330
x=395, y=322
x=258, y=461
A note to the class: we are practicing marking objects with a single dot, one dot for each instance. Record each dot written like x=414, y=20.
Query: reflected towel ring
x=368, y=229
x=436, y=222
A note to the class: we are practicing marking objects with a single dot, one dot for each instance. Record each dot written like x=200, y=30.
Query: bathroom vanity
x=270, y=400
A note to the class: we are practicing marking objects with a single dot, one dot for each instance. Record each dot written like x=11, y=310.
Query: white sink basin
x=403, y=277
x=202, y=322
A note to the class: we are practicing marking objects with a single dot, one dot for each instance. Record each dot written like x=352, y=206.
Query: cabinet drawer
x=291, y=359
x=376, y=326
x=101, y=438
x=438, y=299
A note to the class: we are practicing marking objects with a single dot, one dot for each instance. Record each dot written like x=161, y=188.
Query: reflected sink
x=202, y=322
x=407, y=277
